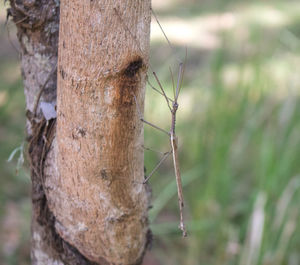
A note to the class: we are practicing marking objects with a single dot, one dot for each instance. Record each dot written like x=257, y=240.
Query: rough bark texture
x=88, y=204
x=99, y=135
x=37, y=24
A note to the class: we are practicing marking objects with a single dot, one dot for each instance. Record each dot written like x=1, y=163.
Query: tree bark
x=89, y=206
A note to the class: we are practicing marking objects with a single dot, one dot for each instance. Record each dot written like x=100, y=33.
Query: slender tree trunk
x=99, y=133
x=89, y=206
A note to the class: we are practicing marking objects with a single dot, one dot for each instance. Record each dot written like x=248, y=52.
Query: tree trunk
x=89, y=206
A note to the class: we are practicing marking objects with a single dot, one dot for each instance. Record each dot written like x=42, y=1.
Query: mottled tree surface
x=86, y=168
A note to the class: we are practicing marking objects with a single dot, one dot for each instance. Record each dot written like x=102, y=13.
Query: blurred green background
x=239, y=135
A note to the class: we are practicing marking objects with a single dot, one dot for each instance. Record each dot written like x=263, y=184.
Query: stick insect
x=173, y=107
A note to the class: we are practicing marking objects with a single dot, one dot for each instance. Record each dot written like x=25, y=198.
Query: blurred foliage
x=238, y=125
x=14, y=184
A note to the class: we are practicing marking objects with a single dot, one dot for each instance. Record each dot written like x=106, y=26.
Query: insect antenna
x=179, y=81
x=173, y=84
x=181, y=64
x=180, y=75
x=162, y=30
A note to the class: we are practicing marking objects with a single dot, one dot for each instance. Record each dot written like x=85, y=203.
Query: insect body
x=174, y=145
x=173, y=141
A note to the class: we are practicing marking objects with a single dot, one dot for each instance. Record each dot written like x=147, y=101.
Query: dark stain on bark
x=78, y=133
x=133, y=67
x=129, y=82
x=62, y=73
x=103, y=174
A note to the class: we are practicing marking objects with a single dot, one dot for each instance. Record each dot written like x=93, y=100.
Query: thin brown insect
x=173, y=107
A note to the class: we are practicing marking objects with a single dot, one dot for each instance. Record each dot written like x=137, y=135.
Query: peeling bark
x=88, y=204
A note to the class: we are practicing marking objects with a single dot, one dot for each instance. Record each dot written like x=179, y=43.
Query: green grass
x=238, y=126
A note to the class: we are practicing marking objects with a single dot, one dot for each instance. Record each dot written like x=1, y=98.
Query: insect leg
x=157, y=166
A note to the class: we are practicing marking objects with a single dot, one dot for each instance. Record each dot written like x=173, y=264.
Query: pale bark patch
x=40, y=254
